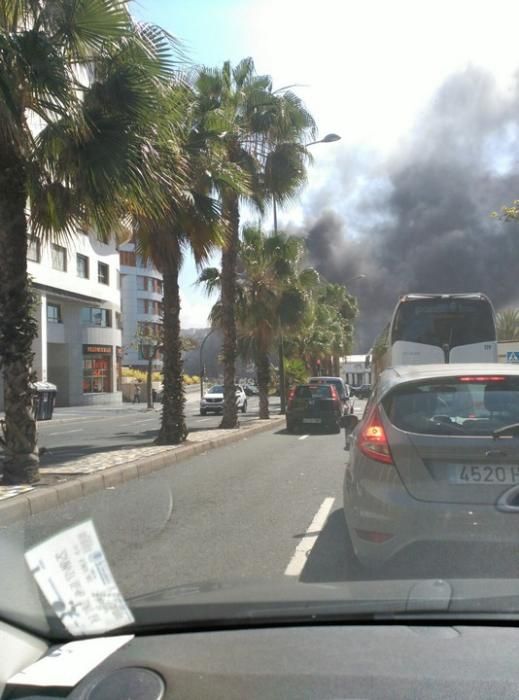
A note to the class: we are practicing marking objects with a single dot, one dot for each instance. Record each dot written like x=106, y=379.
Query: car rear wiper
x=512, y=429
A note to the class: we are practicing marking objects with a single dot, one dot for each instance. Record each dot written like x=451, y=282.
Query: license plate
x=485, y=474
x=311, y=420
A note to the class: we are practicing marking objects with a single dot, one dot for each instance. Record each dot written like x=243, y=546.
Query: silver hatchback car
x=435, y=458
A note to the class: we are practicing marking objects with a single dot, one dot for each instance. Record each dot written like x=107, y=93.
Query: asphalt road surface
x=88, y=432
x=266, y=508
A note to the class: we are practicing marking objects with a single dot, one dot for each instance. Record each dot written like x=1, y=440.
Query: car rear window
x=314, y=391
x=337, y=384
x=454, y=406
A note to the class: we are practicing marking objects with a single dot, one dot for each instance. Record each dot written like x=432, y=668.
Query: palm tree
x=77, y=101
x=192, y=221
x=327, y=330
x=235, y=102
x=271, y=289
x=507, y=324
x=284, y=172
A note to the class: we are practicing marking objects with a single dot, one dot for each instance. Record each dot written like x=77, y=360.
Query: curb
x=25, y=505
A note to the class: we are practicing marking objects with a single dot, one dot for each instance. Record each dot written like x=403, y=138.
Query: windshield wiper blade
x=512, y=429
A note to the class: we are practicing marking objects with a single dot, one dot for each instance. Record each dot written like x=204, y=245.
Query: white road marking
x=303, y=437
x=202, y=420
x=146, y=420
x=67, y=432
x=303, y=549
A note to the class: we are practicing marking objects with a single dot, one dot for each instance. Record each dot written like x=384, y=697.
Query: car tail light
x=488, y=378
x=290, y=397
x=335, y=396
x=372, y=440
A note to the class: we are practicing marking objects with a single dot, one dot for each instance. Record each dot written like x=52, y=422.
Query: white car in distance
x=213, y=400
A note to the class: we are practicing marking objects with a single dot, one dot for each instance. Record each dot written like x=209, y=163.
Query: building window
x=118, y=280
x=142, y=306
x=103, y=273
x=147, y=329
x=127, y=258
x=142, y=283
x=54, y=313
x=91, y=316
x=34, y=251
x=118, y=321
x=59, y=257
x=97, y=374
x=82, y=266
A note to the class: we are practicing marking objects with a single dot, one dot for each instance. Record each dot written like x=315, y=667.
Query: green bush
x=296, y=372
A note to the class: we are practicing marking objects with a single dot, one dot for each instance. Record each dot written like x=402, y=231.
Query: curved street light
x=362, y=276
x=329, y=138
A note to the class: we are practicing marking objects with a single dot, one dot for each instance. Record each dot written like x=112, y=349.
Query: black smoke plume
x=421, y=221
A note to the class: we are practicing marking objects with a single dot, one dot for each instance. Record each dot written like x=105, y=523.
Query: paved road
x=88, y=431
x=269, y=507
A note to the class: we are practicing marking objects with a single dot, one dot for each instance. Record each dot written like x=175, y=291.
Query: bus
x=437, y=328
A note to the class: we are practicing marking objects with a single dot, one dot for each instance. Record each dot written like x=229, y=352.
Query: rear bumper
x=386, y=508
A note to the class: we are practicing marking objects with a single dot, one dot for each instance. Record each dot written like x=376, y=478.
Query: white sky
x=365, y=69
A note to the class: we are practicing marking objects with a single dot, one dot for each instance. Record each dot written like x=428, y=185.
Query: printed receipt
x=74, y=576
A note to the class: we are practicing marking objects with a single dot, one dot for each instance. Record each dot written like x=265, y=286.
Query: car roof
x=309, y=385
x=410, y=373
x=335, y=379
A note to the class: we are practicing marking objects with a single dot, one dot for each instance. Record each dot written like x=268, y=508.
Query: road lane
x=237, y=512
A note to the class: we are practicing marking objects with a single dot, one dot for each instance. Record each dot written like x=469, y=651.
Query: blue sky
x=366, y=70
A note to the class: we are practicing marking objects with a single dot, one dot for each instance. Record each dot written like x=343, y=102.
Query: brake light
x=290, y=396
x=372, y=440
x=335, y=395
x=481, y=379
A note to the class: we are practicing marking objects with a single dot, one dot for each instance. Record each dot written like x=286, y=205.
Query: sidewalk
x=64, y=414
x=95, y=472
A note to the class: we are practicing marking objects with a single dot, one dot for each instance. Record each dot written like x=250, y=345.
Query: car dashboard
x=322, y=661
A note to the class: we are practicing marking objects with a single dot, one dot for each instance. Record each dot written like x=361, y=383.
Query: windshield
x=444, y=322
x=259, y=309
x=216, y=389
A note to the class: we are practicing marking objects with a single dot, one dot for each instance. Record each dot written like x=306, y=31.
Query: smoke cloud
x=421, y=221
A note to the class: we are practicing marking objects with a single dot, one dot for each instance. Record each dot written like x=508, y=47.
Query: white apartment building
x=355, y=370
x=141, y=306
x=79, y=343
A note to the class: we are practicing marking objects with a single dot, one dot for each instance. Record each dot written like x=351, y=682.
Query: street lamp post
x=329, y=138
x=202, y=368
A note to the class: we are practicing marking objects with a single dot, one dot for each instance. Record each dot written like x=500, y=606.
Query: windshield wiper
x=512, y=429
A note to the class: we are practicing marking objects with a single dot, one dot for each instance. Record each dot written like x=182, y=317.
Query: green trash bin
x=44, y=400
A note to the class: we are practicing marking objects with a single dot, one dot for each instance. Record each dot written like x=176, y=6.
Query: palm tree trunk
x=173, y=429
x=229, y=259
x=263, y=379
x=17, y=326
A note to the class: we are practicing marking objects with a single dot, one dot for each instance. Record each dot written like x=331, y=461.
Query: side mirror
x=349, y=422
